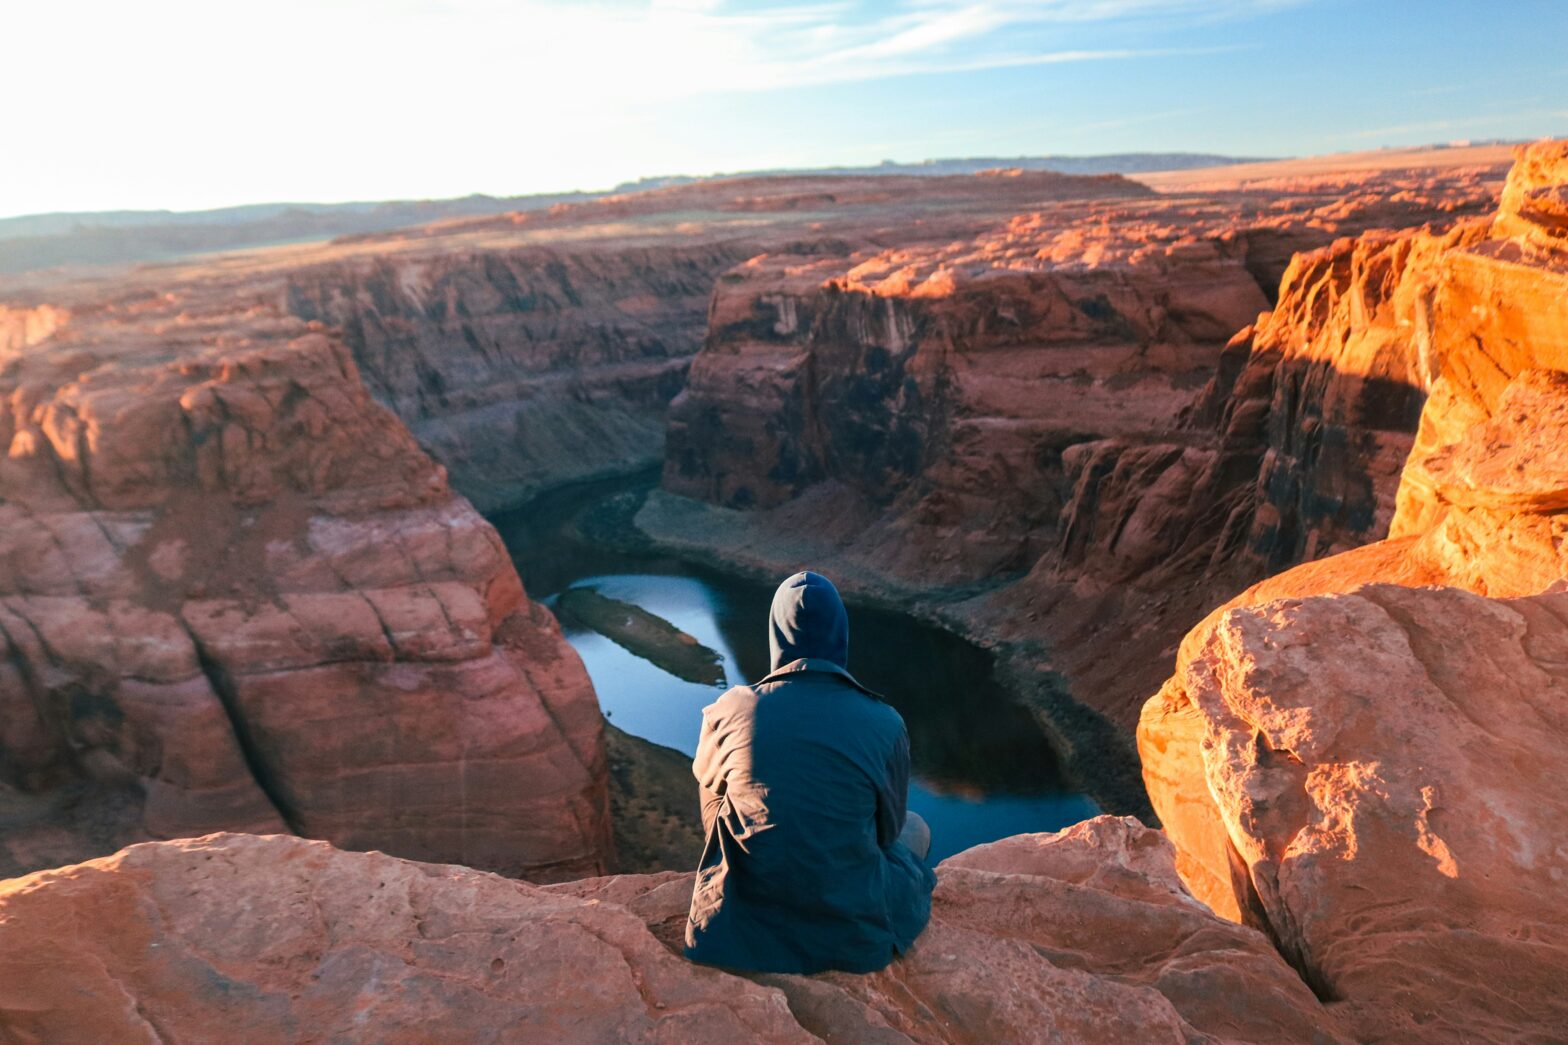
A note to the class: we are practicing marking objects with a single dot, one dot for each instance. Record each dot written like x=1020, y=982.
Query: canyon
x=245, y=587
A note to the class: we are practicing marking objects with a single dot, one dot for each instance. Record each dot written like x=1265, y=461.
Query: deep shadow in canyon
x=984, y=768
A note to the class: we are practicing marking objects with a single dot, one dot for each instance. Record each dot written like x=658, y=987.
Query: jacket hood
x=808, y=621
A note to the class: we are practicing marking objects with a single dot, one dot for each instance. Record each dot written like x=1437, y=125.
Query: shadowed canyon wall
x=520, y=370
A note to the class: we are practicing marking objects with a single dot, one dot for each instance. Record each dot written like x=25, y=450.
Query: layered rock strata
x=523, y=369
x=1349, y=766
x=234, y=593
x=1084, y=936
x=1055, y=415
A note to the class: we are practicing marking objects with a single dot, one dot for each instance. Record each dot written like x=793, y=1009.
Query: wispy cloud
x=940, y=36
x=202, y=103
x=685, y=47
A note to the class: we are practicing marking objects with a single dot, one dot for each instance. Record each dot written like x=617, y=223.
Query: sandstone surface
x=234, y=593
x=1082, y=936
x=1349, y=767
x=1372, y=789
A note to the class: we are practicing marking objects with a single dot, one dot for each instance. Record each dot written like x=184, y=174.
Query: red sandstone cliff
x=1368, y=773
x=1014, y=428
x=234, y=593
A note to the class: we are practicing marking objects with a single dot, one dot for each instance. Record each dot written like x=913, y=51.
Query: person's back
x=804, y=781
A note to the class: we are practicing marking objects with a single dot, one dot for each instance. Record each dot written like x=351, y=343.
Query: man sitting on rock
x=812, y=861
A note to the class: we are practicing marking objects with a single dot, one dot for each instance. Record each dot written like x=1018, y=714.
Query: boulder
x=246, y=938
x=1371, y=778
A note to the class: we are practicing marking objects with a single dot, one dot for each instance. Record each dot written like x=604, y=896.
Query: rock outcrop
x=1364, y=792
x=235, y=594
x=1083, y=936
x=1350, y=767
x=523, y=369
x=1048, y=432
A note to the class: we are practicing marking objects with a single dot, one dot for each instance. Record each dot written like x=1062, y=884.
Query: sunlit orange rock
x=1351, y=767
x=1363, y=791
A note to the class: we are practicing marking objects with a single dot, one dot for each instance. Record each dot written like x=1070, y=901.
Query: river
x=982, y=767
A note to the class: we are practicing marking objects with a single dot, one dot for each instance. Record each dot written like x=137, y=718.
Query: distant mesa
x=33, y=242
x=1110, y=163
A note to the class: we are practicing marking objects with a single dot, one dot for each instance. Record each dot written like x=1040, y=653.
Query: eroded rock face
x=234, y=593
x=1479, y=318
x=1369, y=759
x=1083, y=936
x=1058, y=411
x=523, y=369
x=1350, y=767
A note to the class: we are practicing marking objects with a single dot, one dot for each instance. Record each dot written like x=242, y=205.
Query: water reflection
x=983, y=769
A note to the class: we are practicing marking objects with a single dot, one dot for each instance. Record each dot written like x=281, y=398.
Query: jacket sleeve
x=703, y=766
x=893, y=794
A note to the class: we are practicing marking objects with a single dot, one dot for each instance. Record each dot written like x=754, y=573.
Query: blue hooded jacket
x=805, y=779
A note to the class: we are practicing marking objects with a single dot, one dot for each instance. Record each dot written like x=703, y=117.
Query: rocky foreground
x=1084, y=936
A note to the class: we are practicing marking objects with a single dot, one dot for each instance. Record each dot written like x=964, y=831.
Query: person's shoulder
x=873, y=707
x=888, y=714
x=733, y=700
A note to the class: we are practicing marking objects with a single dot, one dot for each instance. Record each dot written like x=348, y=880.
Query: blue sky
x=194, y=103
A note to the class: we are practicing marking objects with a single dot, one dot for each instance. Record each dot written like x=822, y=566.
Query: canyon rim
x=365, y=567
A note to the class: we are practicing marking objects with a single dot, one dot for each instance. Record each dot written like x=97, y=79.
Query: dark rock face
x=522, y=369
x=1320, y=400
x=849, y=405
x=942, y=401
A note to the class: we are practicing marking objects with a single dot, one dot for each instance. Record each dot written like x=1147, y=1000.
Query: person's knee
x=916, y=835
